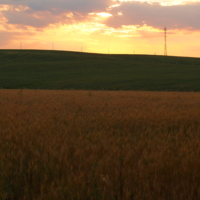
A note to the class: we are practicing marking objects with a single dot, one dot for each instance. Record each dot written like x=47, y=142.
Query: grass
x=99, y=145
x=36, y=69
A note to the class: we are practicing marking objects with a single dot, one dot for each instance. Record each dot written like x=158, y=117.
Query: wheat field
x=91, y=145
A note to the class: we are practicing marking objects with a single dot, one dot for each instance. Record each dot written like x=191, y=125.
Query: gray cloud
x=82, y=6
x=41, y=13
x=23, y=18
x=139, y=13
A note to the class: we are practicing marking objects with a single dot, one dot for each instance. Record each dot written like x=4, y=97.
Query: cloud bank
x=41, y=13
x=154, y=14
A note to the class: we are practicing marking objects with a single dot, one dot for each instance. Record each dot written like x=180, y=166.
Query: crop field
x=36, y=69
x=92, y=145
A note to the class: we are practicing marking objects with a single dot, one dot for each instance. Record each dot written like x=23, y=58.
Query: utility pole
x=165, y=41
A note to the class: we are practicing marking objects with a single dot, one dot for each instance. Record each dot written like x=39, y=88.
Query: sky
x=102, y=26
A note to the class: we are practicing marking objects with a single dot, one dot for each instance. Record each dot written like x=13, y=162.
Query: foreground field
x=99, y=145
x=36, y=69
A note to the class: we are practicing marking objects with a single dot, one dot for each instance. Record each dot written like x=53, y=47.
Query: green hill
x=37, y=69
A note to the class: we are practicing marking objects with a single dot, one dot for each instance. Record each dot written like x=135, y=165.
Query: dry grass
x=85, y=145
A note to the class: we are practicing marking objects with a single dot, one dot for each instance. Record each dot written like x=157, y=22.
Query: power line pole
x=165, y=40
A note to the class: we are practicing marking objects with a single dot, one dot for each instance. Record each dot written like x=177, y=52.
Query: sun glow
x=92, y=33
x=98, y=38
x=103, y=14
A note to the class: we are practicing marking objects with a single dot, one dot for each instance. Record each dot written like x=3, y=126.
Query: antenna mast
x=165, y=38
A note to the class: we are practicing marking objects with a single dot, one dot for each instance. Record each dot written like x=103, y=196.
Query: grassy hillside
x=36, y=69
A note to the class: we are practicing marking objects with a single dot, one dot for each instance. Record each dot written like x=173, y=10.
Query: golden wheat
x=94, y=145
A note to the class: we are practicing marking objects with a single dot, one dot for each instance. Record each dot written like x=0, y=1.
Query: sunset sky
x=102, y=26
